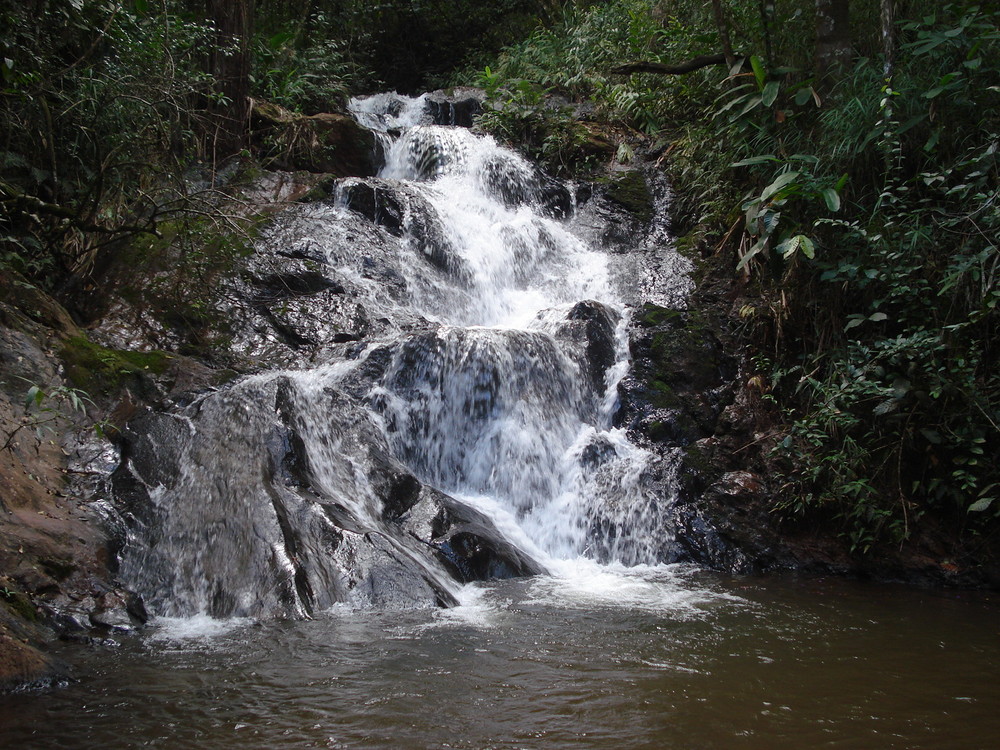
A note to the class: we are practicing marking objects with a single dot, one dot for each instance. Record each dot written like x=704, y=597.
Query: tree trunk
x=229, y=62
x=888, y=37
x=833, y=36
x=767, y=24
x=723, y=26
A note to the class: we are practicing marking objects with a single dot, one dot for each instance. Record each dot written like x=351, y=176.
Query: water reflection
x=736, y=663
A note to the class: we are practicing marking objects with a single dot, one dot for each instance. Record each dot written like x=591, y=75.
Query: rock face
x=54, y=556
x=674, y=400
x=455, y=107
x=278, y=497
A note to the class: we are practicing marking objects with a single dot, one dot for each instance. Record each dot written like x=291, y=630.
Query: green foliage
x=883, y=327
x=101, y=103
x=551, y=135
x=571, y=59
x=396, y=44
x=310, y=80
x=49, y=409
x=174, y=280
x=863, y=213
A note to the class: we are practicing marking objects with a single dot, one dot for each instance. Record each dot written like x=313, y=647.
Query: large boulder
x=458, y=106
x=591, y=327
x=327, y=142
x=405, y=213
x=279, y=497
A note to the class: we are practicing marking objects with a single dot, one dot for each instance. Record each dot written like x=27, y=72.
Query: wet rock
x=23, y=666
x=405, y=213
x=597, y=452
x=457, y=106
x=118, y=611
x=722, y=526
x=293, y=272
x=631, y=192
x=591, y=326
x=293, y=306
x=681, y=378
x=466, y=541
x=295, y=284
x=514, y=185
x=263, y=501
x=626, y=206
x=554, y=197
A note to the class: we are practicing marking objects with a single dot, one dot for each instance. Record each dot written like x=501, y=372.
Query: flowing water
x=664, y=658
x=485, y=385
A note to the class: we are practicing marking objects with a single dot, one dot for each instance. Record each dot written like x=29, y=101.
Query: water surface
x=665, y=657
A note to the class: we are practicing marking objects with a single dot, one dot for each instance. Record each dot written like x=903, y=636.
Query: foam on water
x=584, y=583
x=195, y=628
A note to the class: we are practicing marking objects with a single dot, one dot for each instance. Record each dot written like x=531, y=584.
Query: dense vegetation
x=836, y=161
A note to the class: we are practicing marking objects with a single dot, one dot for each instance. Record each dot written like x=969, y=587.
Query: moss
x=679, y=344
x=321, y=190
x=18, y=603
x=631, y=192
x=699, y=461
x=222, y=377
x=664, y=396
x=93, y=368
x=654, y=315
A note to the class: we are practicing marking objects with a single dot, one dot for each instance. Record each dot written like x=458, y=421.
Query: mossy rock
x=673, y=395
x=653, y=315
x=34, y=304
x=327, y=142
x=95, y=368
x=18, y=604
x=631, y=192
x=683, y=347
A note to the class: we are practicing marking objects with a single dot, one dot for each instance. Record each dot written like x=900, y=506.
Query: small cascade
x=457, y=427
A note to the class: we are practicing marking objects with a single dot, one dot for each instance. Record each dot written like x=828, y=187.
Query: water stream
x=487, y=395
x=290, y=533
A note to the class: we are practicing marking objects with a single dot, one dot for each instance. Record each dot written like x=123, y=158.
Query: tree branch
x=9, y=194
x=688, y=66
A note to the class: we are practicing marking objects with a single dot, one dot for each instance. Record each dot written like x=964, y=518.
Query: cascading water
x=463, y=431
x=445, y=415
x=508, y=414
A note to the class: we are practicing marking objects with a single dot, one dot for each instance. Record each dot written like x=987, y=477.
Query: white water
x=500, y=414
x=494, y=381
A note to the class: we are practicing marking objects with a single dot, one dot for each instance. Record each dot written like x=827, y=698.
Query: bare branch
x=9, y=194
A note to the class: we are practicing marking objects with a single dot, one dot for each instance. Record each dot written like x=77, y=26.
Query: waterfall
x=466, y=431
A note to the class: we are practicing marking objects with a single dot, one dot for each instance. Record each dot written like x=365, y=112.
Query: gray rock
x=457, y=106
x=278, y=497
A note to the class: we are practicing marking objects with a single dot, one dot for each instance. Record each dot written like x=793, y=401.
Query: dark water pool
x=657, y=658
